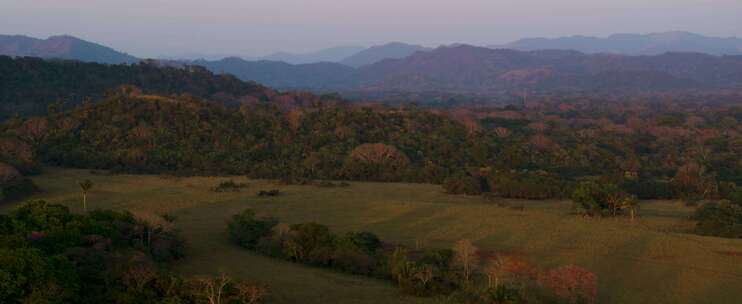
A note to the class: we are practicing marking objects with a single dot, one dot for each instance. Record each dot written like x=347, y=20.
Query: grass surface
x=650, y=261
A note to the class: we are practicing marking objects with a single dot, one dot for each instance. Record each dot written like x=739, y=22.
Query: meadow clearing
x=653, y=260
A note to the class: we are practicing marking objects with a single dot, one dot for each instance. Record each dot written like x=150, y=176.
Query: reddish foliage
x=8, y=174
x=572, y=283
x=380, y=154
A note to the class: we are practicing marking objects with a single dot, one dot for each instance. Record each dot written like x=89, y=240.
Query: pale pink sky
x=151, y=28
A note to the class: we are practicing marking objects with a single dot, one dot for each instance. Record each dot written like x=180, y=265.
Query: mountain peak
x=61, y=47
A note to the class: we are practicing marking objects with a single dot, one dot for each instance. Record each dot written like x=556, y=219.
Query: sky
x=171, y=28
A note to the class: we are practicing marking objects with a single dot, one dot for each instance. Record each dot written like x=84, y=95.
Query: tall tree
x=85, y=186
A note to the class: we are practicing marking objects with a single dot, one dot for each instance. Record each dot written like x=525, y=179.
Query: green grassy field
x=650, y=261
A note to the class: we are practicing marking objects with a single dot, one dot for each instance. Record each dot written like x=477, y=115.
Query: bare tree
x=85, y=186
x=250, y=293
x=494, y=272
x=424, y=274
x=213, y=289
x=466, y=258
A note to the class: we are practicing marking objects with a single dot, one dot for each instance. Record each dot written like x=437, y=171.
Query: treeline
x=462, y=274
x=50, y=255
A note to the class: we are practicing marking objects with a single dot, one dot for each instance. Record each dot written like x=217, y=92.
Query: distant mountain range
x=634, y=44
x=62, y=47
x=470, y=69
x=351, y=56
x=460, y=69
x=283, y=75
x=335, y=54
x=374, y=54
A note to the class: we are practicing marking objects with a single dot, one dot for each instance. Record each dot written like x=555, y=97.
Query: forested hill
x=652, y=150
x=28, y=86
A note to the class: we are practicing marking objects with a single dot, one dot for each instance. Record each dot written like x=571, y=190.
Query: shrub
x=591, y=198
x=167, y=247
x=274, y=192
x=723, y=219
x=303, y=239
x=463, y=183
x=13, y=185
x=364, y=241
x=246, y=229
x=353, y=261
x=229, y=186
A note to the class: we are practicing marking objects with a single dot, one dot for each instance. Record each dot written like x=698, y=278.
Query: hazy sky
x=150, y=28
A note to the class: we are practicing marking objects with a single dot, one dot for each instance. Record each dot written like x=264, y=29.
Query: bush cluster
x=457, y=275
x=722, y=219
x=229, y=186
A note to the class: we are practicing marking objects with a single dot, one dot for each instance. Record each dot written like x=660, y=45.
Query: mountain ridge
x=634, y=44
x=62, y=47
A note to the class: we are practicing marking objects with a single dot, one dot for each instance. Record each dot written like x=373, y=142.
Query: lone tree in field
x=632, y=204
x=85, y=186
x=466, y=259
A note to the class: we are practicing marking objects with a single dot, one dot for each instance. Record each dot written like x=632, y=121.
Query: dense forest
x=32, y=86
x=652, y=150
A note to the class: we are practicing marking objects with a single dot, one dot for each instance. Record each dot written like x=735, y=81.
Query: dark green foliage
x=246, y=229
x=502, y=294
x=31, y=86
x=528, y=185
x=274, y=192
x=463, y=183
x=723, y=219
x=360, y=253
x=424, y=272
x=229, y=186
x=49, y=255
x=650, y=189
x=309, y=242
x=592, y=198
x=364, y=241
x=17, y=189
